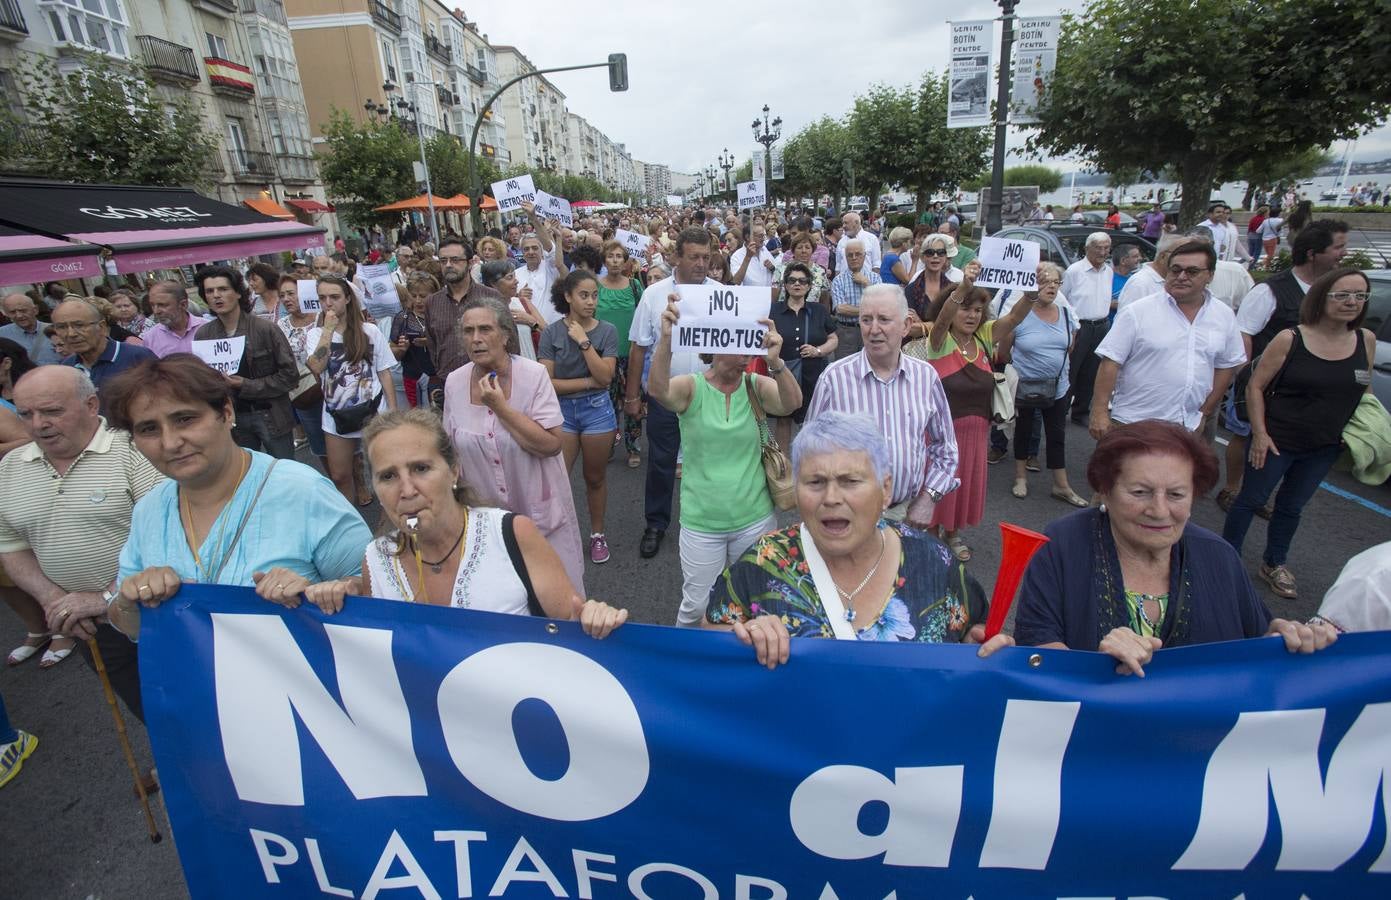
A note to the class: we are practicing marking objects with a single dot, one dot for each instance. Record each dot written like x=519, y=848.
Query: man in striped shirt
x=905, y=397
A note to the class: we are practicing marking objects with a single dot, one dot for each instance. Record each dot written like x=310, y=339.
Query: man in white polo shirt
x=66, y=514
x=1087, y=286
x=1171, y=355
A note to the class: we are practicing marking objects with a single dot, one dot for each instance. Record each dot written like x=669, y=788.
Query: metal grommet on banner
x=1035, y=660
x=552, y=628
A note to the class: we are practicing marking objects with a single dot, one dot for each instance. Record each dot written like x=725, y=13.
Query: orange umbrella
x=465, y=203
x=422, y=202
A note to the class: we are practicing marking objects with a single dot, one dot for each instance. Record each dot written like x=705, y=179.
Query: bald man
x=24, y=328
x=854, y=231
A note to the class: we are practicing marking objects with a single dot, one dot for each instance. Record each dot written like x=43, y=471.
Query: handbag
x=309, y=393
x=350, y=419
x=1002, y=397
x=777, y=468
x=1040, y=393
x=1243, y=378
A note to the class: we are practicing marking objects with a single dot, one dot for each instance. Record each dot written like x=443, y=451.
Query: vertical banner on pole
x=758, y=173
x=778, y=171
x=972, y=58
x=1036, y=56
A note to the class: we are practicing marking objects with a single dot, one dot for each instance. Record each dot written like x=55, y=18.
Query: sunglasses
x=935, y=251
x=795, y=281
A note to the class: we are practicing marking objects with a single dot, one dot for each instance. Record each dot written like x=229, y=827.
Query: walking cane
x=155, y=836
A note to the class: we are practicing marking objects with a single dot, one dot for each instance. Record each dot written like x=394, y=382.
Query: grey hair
x=874, y=291
x=503, y=315
x=1053, y=269
x=1123, y=251
x=856, y=243
x=1201, y=232
x=82, y=386
x=170, y=286
x=947, y=241
x=831, y=432
x=1097, y=237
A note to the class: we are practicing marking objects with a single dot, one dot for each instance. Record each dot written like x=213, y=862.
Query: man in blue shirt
x=86, y=335
x=24, y=329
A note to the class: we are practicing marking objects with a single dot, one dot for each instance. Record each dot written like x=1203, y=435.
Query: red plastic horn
x=1019, y=546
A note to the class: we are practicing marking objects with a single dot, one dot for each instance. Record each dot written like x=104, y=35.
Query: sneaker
x=598, y=549
x=1225, y=499
x=1281, y=581
x=13, y=755
x=1031, y=465
x=995, y=455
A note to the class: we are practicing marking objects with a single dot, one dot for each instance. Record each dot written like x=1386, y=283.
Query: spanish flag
x=229, y=74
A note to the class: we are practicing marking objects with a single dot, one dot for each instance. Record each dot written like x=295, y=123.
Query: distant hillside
x=1376, y=167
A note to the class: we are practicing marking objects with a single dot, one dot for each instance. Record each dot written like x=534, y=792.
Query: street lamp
x=997, y=167
x=766, y=133
x=727, y=163
x=403, y=105
x=710, y=176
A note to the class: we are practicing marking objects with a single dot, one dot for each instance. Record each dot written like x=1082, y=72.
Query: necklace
x=849, y=598
x=972, y=358
x=191, y=535
x=457, y=545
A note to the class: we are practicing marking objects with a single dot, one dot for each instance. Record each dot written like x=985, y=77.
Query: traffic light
x=618, y=71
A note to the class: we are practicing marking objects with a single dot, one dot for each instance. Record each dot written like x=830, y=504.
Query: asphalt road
x=71, y=828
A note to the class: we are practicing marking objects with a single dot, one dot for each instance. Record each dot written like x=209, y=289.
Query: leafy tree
x=368, y=164
x=448, y=159
x=1151, y=83
x=814, y=158
x=106, y=122
x=901, y=137
x=1047, y=179
x=1269, y=171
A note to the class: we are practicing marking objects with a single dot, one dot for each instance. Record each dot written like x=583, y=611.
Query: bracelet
x=1320, y=620
x=776, y=372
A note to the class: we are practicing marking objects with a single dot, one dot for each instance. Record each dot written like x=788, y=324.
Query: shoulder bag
x=1002, y=398
x=777, y=468
x=1243, y=378
x=1040, y=393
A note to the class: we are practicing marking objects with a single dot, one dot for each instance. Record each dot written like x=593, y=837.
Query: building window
x=217, y=45
x=94, y=24
x=389, y=62
x=277, y=134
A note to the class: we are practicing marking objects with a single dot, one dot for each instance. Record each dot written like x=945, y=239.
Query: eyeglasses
x=1190, y=271
x=795, y=281
x=452, y=260
x=1358, y=297
x=73, y=326
x=1044, y=282
x=935, y=251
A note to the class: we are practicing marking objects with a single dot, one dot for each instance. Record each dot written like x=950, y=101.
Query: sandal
x=634, y=460
x=52, y=657
x=1020, y=489
x=959, y=549
x=1069, y=497
x=33, y=643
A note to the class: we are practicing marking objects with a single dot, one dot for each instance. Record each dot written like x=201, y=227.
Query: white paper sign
x=1008, y=264
x=972, y=52
x=636, y=243
x=674, y=200
x=719, y=319
x=753, y=194
x=308, y=290
x=549, y=206
x=378, y=284
x=223, y=354
x=510, y=192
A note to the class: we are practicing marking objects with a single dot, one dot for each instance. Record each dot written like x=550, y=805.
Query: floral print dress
x=933, y=601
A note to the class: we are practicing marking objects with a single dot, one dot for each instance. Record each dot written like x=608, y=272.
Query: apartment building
x=656, y=182
x=538, y=125
x=235, y=60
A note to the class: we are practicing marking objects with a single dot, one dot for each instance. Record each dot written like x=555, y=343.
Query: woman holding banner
x=1136, y=575
x=226, y=515
x=844, y=572
x=725, y=504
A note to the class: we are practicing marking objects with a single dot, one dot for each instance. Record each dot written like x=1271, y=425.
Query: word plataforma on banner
x=510, y=192
x=635, y=242
x=308, y=290
x=972, y=49
x=753, y=194
x=719, y=319
x=223, y=354
x=1008, y=264
x=549, y=206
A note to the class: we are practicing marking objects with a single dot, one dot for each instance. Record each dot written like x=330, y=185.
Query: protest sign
x=674, y=200
x=1035, y=58
x=1007, y=264
x=753, y=194
x=308, y=291
x=972, y=52
x=402, y=749
x=549, y=206
x=636, y=243
x=378, y=284
x=510, y=192
x=223, y=354
x=719, y=319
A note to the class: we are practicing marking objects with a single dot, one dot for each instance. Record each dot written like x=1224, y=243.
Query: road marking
x=1339, y=492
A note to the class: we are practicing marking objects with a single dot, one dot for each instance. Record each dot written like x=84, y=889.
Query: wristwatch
x=586, y=345
x=934, y=496
x=776, y=372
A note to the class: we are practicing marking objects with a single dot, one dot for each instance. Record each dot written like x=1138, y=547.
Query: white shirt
x=1143, y=282
x=1089, y=289
x=1360, y=600
x=1230, y=283
x=1225, y=240
x=1258, y=306
x=1167, y=362
x=646, y=329
x=873, y=255
x=758, y=275
x=540, y=281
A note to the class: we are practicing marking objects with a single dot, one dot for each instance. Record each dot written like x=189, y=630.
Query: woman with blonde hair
x=937, y=273
x=489, y=248
x=894, y=269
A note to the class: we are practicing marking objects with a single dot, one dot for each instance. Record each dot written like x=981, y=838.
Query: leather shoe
x=651, y=542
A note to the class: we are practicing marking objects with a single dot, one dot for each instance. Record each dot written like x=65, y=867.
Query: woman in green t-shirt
x=618, y=298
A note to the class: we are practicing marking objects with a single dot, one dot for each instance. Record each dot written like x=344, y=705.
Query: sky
x=697, y=81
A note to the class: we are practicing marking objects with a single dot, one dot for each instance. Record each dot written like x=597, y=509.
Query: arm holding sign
x=941, y=326
x=673, y=393
x=1003, y=332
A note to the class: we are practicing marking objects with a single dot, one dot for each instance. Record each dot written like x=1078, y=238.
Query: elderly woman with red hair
x=1136, y=575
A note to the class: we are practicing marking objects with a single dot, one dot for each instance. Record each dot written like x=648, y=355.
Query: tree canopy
x=1047, y=179
x=1208, y=86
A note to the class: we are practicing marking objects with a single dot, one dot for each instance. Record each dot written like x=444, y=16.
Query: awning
x=148, y=227
x=267, y=207
x=465, y=203
x=26, y=258
x=311, y=206
x=423, y=202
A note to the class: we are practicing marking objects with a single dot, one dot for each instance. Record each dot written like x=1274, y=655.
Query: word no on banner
x=753, y=194
x=510, y=192
x=722, y=320
x=634, y=241
x=549, y=206
x=222, y=354
x=1008, y=264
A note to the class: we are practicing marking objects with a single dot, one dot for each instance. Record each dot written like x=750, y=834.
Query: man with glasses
x=1087, y=286
x=24, y=328
x=847, y=288
x=405, y=262
x=82, y=329
x=1172, y=355
x=443, y=308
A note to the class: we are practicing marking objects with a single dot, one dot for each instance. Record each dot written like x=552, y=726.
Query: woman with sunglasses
x=1304, y=390
x=937, y=274
x=809, y=340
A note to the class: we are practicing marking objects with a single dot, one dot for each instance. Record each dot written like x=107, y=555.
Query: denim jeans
x=1302, y=472
x=312, y=421
x=8, y=734
x=253, y=431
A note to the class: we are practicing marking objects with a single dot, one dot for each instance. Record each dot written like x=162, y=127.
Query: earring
x=456, y=486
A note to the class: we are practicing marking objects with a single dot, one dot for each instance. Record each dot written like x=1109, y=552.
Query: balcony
x=222, y=7
x=230, y=78
x=446, y=96
x=296, y=168
x=475, y=74
x=268, y=8
x=12, y=24
x=385, y=16
x=437, y=48
x=251, y=165
x=168, y=61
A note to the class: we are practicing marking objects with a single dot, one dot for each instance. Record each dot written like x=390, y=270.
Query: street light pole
x=414, y=107
x=766, y=133
x=727, y=163
x=997, y=168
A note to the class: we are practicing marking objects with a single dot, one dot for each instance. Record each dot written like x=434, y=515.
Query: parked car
x=1063, y=244
x=1097, y=218
x=1379, y=321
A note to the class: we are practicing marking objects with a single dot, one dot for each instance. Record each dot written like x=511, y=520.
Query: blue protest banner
x=404, y=751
